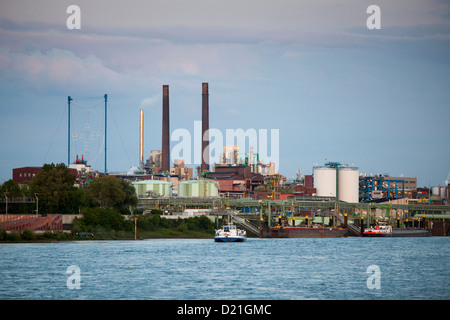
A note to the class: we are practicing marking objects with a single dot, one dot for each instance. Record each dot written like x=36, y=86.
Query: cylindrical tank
x=348, y=185
x=435, y=191
x=438, y=191
x=162, y=188
x=198, y=188
x=325, y=181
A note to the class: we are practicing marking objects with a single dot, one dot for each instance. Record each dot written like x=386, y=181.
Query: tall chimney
x=165, y=154
x=141, y=140
x=205, y=128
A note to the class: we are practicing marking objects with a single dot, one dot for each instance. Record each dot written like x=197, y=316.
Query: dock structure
x=249, y=212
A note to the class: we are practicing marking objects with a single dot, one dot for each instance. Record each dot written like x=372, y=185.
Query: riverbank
x=28, y=236
x=106, y=224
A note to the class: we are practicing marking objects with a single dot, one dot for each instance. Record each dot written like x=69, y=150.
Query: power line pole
x=106, y=113
x=69, y=99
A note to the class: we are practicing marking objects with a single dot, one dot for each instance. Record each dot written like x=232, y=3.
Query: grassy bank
x=106, y=224
x=28, y=236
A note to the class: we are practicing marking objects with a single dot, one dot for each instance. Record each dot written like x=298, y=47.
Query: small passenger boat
x=229, y=233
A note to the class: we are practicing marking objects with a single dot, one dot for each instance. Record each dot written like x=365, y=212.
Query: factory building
x=235, y=179
x=85, y=174
x=21, y=175
x=376, y=188
x=231, y=157
x=179, y=169
x=337, y=180
x=154, y=161
x=24, y=174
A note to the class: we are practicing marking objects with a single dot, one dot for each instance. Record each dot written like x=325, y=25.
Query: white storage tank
x=348, y=185
x=157, y=187
x=325, y=181
x=438, y=191
x=334, y=175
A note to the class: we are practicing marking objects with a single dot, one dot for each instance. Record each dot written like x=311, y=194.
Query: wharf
x=250, y=213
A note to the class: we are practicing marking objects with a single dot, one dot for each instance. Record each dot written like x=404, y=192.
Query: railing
x=247, y=225
x=50, y=222
x=16, y=217
x=350, y=226
x=17, y=200
x=251, y=203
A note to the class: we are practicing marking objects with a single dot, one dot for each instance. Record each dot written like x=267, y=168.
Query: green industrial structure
x=254, y=212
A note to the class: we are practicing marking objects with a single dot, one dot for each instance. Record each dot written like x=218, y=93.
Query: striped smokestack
x=165, y=154
x=205, y=128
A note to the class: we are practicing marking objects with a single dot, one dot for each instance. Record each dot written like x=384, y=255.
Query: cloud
x=57, y=68
x=297, y=58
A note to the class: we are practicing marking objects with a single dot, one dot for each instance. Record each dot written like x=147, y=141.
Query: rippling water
x=276, y=269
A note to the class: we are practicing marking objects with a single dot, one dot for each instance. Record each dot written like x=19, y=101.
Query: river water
x=258, y=269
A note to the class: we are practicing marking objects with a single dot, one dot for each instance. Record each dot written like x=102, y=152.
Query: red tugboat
x=382, y=229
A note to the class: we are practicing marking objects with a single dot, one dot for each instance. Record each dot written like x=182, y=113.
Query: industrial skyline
x=336, y=90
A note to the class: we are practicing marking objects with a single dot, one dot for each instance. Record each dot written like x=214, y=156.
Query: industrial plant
x=336, y=199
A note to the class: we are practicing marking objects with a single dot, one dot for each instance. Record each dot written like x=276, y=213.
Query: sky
x=377, y=99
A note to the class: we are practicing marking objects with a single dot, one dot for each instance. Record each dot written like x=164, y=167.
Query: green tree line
x=54, y=188
x=105, y=205
x=107, y=223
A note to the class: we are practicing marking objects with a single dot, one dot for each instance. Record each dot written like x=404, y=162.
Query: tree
x=106, y=218
x=111, y=193
x=13, y=190
x=131, y=199
x=54, y=185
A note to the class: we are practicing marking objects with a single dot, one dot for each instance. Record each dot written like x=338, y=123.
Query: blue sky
x=376, y=99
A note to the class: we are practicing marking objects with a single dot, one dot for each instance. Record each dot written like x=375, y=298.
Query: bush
x=28, y=235
x=3, y=235
x=205, y=224
x=61, y=236
x=182, y=227
x=104, y=218
x=48, y=235
x=157, y=211
x=13, y=236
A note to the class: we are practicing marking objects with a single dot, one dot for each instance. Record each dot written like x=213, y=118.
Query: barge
x=385, y=230
x=411, y=233
x=302, y=232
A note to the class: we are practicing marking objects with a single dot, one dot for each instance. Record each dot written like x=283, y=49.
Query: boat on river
x=385, y=230
x=379, y=230
x=230, y=233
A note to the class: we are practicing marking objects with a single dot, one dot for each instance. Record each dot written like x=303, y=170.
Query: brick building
x=24, y=174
